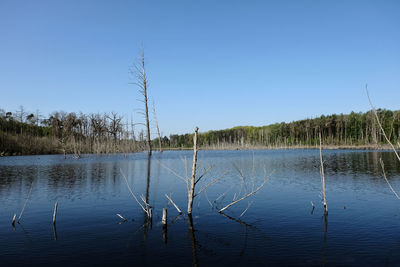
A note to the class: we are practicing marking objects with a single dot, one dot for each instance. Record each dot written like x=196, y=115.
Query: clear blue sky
x=214, y=64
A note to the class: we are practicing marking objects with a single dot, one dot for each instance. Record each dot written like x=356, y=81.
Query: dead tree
x=193, y=177
x=193, y=181
x=157, y=127
x=322, y=172
x=139, y=73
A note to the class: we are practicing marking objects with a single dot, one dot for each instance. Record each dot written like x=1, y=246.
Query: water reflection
x=193, y=238
x=73, y=177
x=92, y=190
x=148, y=218
x=324, y=261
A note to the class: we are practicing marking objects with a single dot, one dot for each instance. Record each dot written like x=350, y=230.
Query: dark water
x=278, y=228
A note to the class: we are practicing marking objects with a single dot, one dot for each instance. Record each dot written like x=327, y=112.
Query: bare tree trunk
x=145, y=105
x=322, y=176
x=158, y=129
x=193, y=178
x=140, y=74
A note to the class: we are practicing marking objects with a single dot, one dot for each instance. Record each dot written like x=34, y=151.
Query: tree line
x=354, y=129
x=24, y=133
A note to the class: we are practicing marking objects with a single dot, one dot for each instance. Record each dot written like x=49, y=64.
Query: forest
x=25, y=133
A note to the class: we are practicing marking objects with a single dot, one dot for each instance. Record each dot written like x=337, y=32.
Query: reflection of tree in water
x=324, y=260
x=147, y=220
x=193, y=238
x=17, y=179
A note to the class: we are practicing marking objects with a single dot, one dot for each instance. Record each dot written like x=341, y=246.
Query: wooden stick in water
x=119, y=215
x=13, y=220
x=164, y=216
x=173, y=203
x=55, y=212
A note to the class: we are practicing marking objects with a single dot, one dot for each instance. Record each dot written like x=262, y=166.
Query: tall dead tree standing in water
x=139, y=73
x=192, y=182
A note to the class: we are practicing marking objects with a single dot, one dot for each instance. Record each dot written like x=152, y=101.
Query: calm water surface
x=278, y=228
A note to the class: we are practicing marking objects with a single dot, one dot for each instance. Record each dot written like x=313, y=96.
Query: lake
x=276, y=226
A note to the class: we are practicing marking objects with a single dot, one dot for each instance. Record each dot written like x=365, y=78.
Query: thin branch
x=210, y=184
x=248, y=206
x=244, y=197
x=223, y=194
x=134, y=196
x=387, y=181
x=204, y=173
x=209, y=202
x=244, y=184
x=172, y=171
x=26, y=202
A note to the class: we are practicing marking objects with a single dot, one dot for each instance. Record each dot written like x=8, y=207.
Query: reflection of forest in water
x=74, y=178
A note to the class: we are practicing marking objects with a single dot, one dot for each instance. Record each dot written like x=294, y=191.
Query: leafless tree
x=139, y=73
x=114, y=127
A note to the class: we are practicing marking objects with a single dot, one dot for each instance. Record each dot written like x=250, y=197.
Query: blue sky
x=214, y=64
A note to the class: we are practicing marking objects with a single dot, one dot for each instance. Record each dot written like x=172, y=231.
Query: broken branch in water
x=13, y=219
x=173, y=203
x=55, y=212
x=119, y=215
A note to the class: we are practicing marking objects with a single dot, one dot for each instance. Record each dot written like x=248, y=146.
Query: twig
x=26, y=201
x=248, y=206
x=173, y=172
x=204, y=173
x=209, y=202
x=210, y=184
x=130, y=190
x=244, y=197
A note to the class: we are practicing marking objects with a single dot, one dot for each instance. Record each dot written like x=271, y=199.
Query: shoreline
x=238, y=148
x=327, y=147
